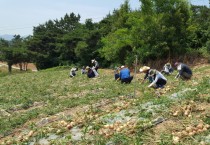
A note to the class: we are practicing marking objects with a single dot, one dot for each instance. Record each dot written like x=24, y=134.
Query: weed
x=120, y=139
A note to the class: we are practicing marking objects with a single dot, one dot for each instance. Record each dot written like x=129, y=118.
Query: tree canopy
x=159, y=29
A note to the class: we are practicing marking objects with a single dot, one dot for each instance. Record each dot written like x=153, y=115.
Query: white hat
x=122, y=66
x=92, y=60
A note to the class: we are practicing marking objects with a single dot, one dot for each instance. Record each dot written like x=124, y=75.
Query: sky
x=20, y=16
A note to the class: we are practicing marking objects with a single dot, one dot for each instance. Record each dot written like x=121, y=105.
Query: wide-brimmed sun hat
x=144, y=68
x=168, y=63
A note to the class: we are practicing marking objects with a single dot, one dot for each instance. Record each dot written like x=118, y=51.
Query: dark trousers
x=73, y=75
x=160, y=83
x=91, y=74
x=96, y=68
x=186, y=76
x=127, y=80
x=116, y=76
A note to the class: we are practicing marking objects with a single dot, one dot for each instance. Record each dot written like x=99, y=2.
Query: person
x=117, y=73
x=91, y=72
x=159, y=80
x=125, y=75
x=83, y=70
x=167, y=69
x=96, y=64
x=146, y=69
x=73, y=72
x=184, y=72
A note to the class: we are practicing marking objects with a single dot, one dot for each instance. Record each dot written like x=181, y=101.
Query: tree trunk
x=21, y=66
x=25, y=66
x=10, y=68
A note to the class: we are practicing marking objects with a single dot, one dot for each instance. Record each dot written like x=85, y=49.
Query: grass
x=29, y=97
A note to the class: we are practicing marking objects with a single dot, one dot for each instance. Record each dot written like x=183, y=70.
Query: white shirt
x=158, y=76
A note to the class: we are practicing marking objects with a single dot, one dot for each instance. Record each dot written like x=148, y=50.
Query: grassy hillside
x=49, y=107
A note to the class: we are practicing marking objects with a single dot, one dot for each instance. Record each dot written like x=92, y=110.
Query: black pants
x=160, y=83
x=116, y=76
x=186, y=76
x=127, y=80
x=96, y=68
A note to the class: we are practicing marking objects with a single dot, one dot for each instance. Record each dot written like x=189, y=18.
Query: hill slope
x=49, y=107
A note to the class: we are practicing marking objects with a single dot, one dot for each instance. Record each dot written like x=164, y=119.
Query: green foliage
x=120, y=139
x=160, y=29
x=13, y=52
x=208, y=46
x=117, y=46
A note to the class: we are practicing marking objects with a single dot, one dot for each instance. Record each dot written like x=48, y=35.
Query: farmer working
x=73, y=72
x=125, y=75
x=167, y=69
x=159, y=79
x=145, y=69
x=83, y=70
x=117, y=73
x=184, y=72
x=96, y=64
x=91, y=72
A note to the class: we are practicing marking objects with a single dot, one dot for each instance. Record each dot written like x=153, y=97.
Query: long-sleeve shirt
x=83, y=71
x=167, y=67
x=158, y=76
x=124, y=73
x=72, y=72
x=183, y=68
x=90, y=73
x=146, y=75
x=96, y=64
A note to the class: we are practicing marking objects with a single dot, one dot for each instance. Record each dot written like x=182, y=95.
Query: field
x=48, y=107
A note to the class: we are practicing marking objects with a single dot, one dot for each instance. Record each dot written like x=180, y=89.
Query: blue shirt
x=124, y=73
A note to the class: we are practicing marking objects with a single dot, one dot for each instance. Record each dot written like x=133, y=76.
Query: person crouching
x=125, y=75
x=167, y=69
x=184, y=71
x=159, y=79
x=73, y=72
x=91, y=72
x=145, y=70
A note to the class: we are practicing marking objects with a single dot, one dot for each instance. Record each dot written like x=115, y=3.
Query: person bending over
x=159, y=79
x=125, y=75
x=73, y=72
x=184, y=72
x=145, y=70
x=91, y=72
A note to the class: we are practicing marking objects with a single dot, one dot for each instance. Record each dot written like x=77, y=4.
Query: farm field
x=48, y=107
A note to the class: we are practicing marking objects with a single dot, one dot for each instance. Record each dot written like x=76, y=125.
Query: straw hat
x=144, y=68
x=168, y=64
x=122, y=66
x=87, y=67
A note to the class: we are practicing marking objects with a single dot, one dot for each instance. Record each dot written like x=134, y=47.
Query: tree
x=117, y=45
x=161, y=29
x=53, y=43
x=13, y=52
x=199, y=30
